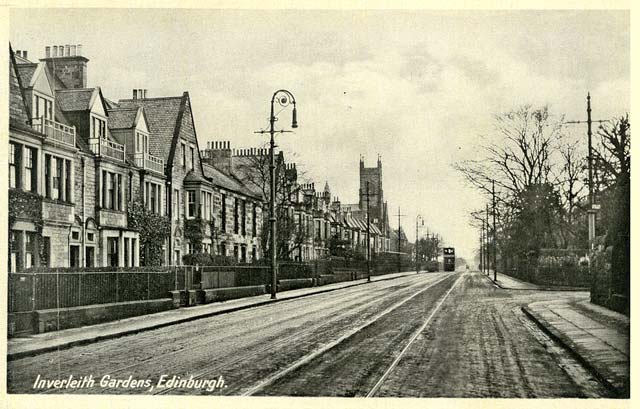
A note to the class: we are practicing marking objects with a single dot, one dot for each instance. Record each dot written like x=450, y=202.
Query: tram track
x=378, y=296
x=215, y=370
x=265, y=383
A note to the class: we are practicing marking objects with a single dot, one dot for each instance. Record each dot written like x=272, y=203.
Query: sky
x=418, y=87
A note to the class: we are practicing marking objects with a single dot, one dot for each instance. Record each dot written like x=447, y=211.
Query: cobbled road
x=423, y=335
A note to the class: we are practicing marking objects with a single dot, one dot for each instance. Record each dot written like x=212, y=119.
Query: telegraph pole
x=368, y=239
x=495, y=232
x=418, y=217
x=399, y=240
x=487, y=260
x=591, y=212
x=482, y=248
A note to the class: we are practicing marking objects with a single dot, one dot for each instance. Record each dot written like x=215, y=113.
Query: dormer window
x=98, y=127
x=142, y=141
x=42, y=107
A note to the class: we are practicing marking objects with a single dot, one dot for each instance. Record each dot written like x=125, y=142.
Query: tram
x=449, y=258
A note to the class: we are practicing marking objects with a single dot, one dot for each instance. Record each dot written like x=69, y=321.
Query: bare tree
x=254, y=171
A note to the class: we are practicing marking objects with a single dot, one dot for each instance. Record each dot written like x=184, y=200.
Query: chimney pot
x=67, y=50
x=60, y=51
x=55, y=51
x=79, y=49
x=24, y=54
x=135, y=94
x=47, y=51
x=73, y=50
x=19, y=53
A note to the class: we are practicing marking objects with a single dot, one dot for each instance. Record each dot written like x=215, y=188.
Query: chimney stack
x=69, y=65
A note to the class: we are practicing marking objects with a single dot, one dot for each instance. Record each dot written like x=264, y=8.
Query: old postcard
x=340, y=203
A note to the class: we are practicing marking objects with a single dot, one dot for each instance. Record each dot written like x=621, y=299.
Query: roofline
x=15, y=69
x=147, y=99
x=176, y=133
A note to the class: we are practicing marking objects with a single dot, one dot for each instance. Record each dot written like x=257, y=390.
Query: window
x=127, y=253
x=153, y=199
x=112, y=251
x=98, y=128
x=46, y=251
x=28, y=168
x=90, y=236
x=191, y=204
x=74, y=256
x=236, y=224
x=29, y=249
x=47, y=175
x=89, y=256
x=184, y=155
x=56, y=167
x=140, y=145
x=67, y=183
x=37, y=106
x=254, y=253
x=12, y=166
x=244, y=218
x=202, y=198
x=48, y=109
x=191, y=158
x=176, y=204
x=223, y=222
x=111, y=190
x=254, y=224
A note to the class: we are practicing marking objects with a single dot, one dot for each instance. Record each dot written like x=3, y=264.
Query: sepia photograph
x=328, y=202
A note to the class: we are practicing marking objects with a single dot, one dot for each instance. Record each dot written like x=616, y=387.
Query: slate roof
x=75, y=99
x=122, y=118
x=17, y=107
x=162, y=115
x=26, y=71
x=193, y=177
x=228, y=182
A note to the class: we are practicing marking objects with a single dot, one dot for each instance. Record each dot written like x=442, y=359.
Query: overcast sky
x=417, y=87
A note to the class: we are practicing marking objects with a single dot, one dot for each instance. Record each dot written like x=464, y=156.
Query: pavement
x=595, y=336
x=50, y=341
x=511, y=283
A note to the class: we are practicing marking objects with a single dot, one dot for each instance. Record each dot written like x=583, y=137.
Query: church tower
x=376, y=198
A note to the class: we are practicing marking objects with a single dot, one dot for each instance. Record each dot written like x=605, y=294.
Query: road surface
x=423, y=335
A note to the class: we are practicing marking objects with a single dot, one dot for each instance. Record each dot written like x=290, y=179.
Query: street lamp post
x=284, y=98
x=418, y=217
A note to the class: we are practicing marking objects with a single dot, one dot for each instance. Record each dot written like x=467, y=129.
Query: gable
x=141, y=123
x=40, y=81
x=97, y=105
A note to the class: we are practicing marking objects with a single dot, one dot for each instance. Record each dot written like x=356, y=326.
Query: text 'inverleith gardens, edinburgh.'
x=107, y=381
